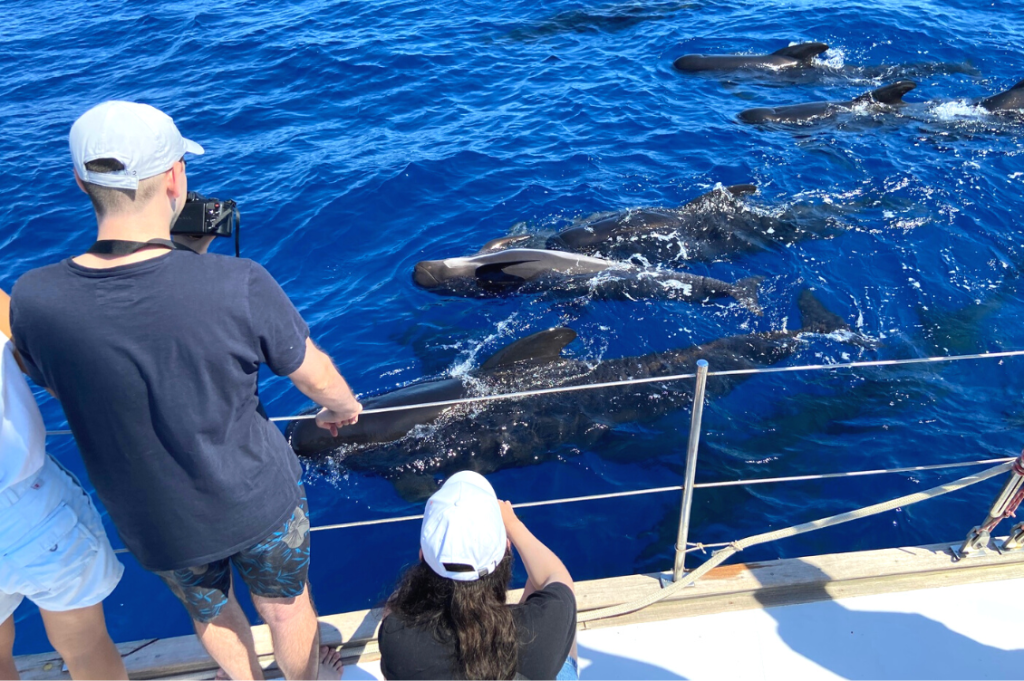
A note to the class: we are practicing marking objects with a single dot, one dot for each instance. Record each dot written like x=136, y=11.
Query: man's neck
x=141, y=227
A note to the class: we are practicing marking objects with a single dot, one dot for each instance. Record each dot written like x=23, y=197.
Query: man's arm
x=320, y=381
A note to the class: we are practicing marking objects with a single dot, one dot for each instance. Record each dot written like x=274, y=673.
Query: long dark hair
x=473, y=615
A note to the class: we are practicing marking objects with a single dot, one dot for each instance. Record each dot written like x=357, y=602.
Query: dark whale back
x=309, y=440
x=787, y=57
x=1011, y=100
x=616, y=225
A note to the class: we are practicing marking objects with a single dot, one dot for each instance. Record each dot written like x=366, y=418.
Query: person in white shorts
x=53, y=549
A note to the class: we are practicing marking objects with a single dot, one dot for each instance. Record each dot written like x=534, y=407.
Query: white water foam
x=958, y=109
x=835, y=58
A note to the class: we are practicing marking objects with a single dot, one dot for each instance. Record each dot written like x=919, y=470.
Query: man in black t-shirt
x=449, y=618
x=154, y=354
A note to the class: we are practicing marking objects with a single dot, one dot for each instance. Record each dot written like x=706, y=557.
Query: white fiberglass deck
x=971, y=631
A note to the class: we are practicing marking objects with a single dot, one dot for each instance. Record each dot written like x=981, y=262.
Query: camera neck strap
x=121, y=247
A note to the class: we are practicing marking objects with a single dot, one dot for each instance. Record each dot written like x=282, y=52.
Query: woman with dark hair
x=449, y=619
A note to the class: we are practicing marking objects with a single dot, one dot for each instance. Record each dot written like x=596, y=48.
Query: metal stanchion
x=691, y=470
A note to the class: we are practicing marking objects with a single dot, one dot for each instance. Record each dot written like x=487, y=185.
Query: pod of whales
x=526, y=270
x=881, y=99
x=788, y=57
x=410, y=447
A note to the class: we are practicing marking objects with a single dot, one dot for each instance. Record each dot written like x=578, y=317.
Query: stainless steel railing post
x=691, y=470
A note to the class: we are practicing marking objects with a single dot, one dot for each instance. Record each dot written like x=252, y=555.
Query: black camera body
x=202, y=216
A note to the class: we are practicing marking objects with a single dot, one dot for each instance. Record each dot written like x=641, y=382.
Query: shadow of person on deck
x=855, y=644
x=595, y=664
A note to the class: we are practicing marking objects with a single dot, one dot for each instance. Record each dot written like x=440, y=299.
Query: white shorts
x=53, y=549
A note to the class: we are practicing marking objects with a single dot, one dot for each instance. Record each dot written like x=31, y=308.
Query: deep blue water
x=361, y=137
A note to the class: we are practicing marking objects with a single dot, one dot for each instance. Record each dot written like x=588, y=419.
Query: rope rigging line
x=652, y=379
x=721, y=556
x=674, y=488
x=669, y=379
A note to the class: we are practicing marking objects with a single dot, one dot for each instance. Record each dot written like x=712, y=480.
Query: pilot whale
x=413, y=446
x=604, y=227
x=1011, y=100
x=796, y=64
x=527, y=270
x=711, y=227
x=882, y=98
x=787, y=57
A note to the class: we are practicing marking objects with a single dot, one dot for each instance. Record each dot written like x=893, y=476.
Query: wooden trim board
x=726, y=588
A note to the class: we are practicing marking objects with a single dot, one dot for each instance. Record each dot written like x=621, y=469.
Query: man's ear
x=78, y=181
x=421, y=555
x=172, y=179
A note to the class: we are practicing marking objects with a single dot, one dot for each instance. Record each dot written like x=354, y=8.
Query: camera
x=202, y=216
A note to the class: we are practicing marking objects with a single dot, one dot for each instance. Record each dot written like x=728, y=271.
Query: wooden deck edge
x=727, y=588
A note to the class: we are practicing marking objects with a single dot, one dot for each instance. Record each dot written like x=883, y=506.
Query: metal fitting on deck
x=1004, y=507
x=1015, y=540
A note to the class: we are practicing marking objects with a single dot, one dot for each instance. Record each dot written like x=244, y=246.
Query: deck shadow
x=856, y=644
x=607, y=666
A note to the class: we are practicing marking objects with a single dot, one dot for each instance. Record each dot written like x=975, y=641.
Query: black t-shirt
x=156, y=366
x=545, y=624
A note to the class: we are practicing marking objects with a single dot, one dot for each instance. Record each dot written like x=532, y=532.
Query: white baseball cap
x=463, y=536
x=141, y=137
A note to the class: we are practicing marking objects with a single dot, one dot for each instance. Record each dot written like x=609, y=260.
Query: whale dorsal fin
x=816, y=317
x=709, y=197
x=545, y=346
x=741, y=189
x=803, y=51
x=503, y=243
x=890, y=94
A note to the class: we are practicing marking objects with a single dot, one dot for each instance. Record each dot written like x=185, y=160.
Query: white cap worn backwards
x=142, y=138
x=463, y=536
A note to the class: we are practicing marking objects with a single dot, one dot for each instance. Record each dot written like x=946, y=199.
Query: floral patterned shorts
x=273, y=568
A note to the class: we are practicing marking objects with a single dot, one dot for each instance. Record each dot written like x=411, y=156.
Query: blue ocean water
x=361, y=137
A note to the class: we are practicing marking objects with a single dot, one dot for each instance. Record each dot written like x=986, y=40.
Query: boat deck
x=909, y=613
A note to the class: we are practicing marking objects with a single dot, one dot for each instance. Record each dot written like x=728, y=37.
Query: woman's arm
x=542, y=566
x=5, y=313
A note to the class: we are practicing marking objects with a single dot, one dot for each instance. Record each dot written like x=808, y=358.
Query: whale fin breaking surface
x=745, y=292
x=709, y=198
x=503, y=243
x=543, y=346
x=817, y=318
x=889, y=94
x=1008, y=100
x=803, y=51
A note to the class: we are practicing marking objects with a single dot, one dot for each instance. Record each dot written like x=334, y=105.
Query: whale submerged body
x=527, y=270
x=413, y=446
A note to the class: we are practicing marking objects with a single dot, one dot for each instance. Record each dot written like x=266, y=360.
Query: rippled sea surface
x=362, y=137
